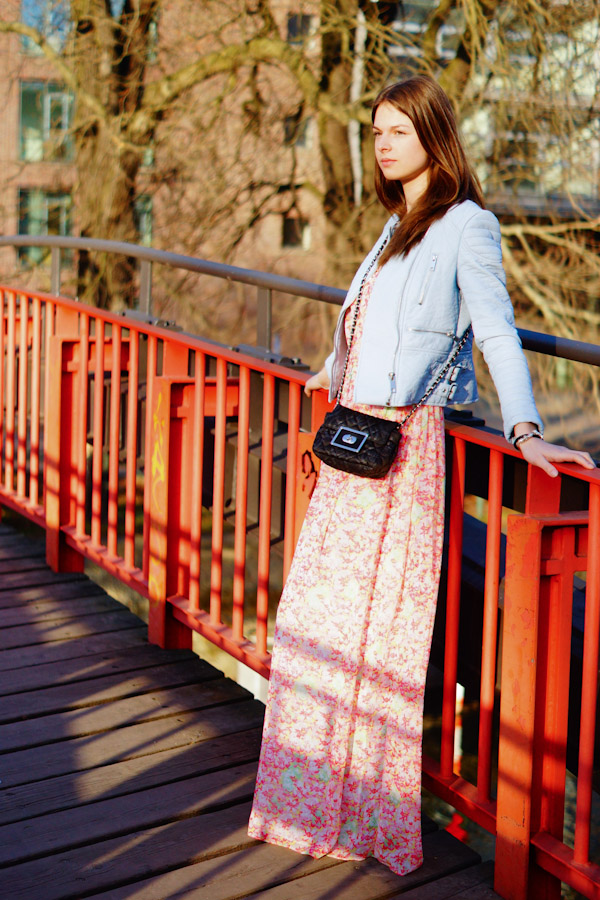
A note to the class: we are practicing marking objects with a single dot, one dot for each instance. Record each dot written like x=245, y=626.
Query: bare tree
x=215, y=96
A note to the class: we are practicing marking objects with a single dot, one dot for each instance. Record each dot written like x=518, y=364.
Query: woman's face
x=399, y=152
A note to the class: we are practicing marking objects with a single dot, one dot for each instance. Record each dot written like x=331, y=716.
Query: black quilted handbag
x=356, y=442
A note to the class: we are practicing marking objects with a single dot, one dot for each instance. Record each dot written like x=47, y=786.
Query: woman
x=340, y=769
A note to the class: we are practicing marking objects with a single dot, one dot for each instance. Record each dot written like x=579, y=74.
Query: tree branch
x=543, y=230
x=159, y=95
x=65, y=71
x=436, y=19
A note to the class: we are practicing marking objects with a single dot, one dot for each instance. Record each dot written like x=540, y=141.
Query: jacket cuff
x=535, y=420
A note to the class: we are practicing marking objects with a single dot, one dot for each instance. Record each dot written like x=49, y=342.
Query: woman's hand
x=540, y=453
x=315, y=382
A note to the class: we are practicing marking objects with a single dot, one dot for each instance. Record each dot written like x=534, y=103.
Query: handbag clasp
x=349, y=439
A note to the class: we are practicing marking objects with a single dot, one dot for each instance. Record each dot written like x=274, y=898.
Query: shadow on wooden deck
x=127, y=771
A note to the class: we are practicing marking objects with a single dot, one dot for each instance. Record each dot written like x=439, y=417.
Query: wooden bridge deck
x=127, y=771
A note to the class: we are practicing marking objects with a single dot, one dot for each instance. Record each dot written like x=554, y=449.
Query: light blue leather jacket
x=419, y=308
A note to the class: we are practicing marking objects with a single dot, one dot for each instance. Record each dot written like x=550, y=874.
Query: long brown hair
x=451, y=178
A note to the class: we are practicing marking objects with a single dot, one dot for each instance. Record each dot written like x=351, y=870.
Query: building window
x=410, y=23
x=296, y=131
x=296, y=233
x=143, y=219
x=298, y=28
x=42, y=213
x=515, y=156
x=515, y=153
x=50, y=18
x=116, y=10
x=46, y=111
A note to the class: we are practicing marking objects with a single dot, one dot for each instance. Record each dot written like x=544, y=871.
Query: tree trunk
x=105, y=204
x=107, y=162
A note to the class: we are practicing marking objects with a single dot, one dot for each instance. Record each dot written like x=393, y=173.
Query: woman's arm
x=540, y=453
x=483, y=283
x=320, y=380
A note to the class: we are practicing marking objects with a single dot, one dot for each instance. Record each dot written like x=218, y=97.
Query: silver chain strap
x=433, y=386
x=355, y=316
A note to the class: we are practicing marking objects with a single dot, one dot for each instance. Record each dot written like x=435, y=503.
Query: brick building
x=547, y=170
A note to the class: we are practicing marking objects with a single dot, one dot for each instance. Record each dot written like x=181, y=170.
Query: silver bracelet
x=521, y=438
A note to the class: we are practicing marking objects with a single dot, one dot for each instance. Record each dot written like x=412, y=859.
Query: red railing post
x=218, y=494
x=157, y=453
x=543, y=492
x=542, y=557
x=172, y=454
x=552, y=698
x=490, y=627
x=163, y=459
x=455, y=529
x=589, y=688
x=517, y=706
x=320, y=405
x=170, y=508
x=64, y=371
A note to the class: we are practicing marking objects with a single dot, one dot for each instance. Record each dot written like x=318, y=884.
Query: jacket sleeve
x=482, y=283
x=329, y=364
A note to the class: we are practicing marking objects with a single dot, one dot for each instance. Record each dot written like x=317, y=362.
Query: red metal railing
x=545, y=550
x=121, y=435
x=174, y=464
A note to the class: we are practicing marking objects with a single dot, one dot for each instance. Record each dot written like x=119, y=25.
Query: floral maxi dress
x=340, y=764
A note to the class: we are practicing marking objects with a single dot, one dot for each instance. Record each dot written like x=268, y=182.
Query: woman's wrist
x=519, y=439
x=524, y=431
x=323, y=377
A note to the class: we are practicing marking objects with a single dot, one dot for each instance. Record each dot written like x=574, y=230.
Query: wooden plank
x=23, y=564
x=155, y=704
x=17, y=580
x=85, y=667
x=26, y=635
x=167, y=804
x=252, y=869
x=56, y=610
x=54, y=591
x=85, y=646
x=65, y=876
x=262, y=866
x=78, y=754
x=18, y=545
x=104, y=689
x=370, y=880
x=81, y=825
x=79, y=788
x=123, y=860
x=474, y=883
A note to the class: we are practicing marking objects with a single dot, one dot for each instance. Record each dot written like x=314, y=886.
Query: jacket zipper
x=392, y=378
x=430, y=271
x=449, y=334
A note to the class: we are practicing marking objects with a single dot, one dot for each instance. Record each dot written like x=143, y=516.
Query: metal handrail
x=266, y=282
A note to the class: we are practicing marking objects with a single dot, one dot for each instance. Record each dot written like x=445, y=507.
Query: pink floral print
x=340, y=765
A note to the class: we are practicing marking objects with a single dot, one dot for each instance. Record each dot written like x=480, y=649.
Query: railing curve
x=265, y=282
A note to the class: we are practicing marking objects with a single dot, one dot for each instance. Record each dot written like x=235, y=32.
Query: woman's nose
x=382, y=143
